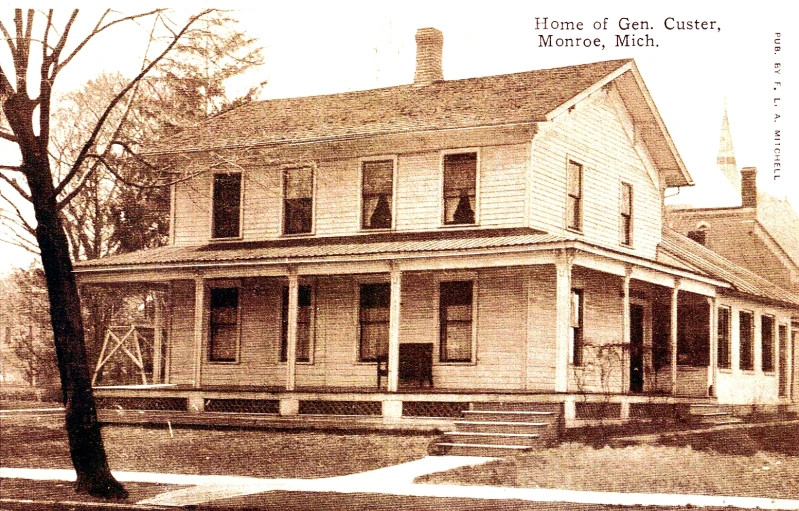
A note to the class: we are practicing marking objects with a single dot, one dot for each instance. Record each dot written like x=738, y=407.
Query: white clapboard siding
x=418, y=192
x=593, y=134
x=541, y=342
x=192, y=214
x=262, y=203
x=337, y=204
x=181, y=334
x=503, y=172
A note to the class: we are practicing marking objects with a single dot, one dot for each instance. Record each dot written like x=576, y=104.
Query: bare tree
x=27, y=116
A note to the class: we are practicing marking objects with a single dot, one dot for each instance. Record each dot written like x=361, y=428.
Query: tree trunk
x=83, y=430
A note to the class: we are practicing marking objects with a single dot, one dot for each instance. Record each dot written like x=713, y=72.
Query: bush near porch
x=758, y=462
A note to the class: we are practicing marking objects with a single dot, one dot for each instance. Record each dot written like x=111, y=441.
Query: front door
x=636, y=348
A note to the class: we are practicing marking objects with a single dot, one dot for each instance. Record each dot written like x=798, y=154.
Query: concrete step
x=477, y=437
x=500, y=427
x=479, y=449
x=510, y=416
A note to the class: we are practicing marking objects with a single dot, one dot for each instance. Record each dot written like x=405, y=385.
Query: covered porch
x=403, y=332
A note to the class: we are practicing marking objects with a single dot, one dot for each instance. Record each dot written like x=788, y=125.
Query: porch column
x=673, y=335
x=625, y=365
x=158, y=338
x=199, y=320
x=393, y=330
x=563, y=268
x=714, y=343
x=291, y=334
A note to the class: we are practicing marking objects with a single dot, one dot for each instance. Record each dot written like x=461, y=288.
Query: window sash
x=576, y=327
x=297, y=201
x=304, y=323
x=456, y=310
x=746, y=327
x=377, y=190
x=226, y=206
x=767, y=332
x=626, y=214
x=373, y=318
x=724, y=338
x=223, y=339
x=574, y=190
x=460, y=188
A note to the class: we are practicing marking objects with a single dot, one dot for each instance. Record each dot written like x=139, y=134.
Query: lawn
x=760, y=462
x=244, y=452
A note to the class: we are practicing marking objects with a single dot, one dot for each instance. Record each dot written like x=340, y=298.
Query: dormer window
x=460, y=188
x=298, y=201
x=226, y=221
x=377, y=194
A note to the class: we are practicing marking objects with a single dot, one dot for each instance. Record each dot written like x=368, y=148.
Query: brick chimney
x=749, y=187
x=429, y=48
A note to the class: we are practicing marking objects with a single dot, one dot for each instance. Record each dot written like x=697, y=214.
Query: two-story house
x=415, y=250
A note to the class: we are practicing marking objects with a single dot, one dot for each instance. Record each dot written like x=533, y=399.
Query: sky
x=318, y=48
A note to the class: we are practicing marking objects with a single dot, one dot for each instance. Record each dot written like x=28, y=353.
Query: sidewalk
x=396, y=480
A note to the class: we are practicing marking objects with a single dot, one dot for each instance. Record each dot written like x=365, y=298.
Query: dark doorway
x=636, y=348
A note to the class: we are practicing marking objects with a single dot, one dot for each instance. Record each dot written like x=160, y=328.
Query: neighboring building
x=495, y=239
x=761, y=234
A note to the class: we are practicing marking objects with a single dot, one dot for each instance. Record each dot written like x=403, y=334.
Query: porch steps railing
x=709, y=414
x=498, y=432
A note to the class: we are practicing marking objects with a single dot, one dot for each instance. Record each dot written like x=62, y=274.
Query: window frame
x=441, y=279
x=212, y=221
x=773, y=368
x=283, y=200
x=359, y=284
x=442, y=198
x=626, y=238
x=580, y=199
x=576, y=332
x=751, y=314
x=728, y=310
x=210, y=324
x=372, y=159
x=283, y=348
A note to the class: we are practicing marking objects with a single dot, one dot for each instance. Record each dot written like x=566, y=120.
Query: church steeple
x=726, y=157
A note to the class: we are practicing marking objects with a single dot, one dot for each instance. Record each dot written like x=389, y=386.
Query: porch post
x=563, y=268
x=625, y=365
x=393, y=330
x=673, y=335
x=714, y=343
x=199, y=317
x=158, y=333
x=291, y=334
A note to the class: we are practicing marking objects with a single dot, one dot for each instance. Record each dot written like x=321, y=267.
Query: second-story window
x=626, y=214
x=297, y=201
x=574, y=201
x=377, y=190
x=460, y=188
x=226, y=221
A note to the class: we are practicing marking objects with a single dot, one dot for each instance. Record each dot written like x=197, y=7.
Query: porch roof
x=685, y=250
x=294, y=249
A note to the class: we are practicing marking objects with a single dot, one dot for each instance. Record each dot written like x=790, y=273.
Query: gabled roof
x=674, y=245
x=500, y=100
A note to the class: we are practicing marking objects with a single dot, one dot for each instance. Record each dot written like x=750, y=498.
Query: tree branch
x=101, y=122
x=22, y=222
x=8, y=136
x=98, y=28
x=25, y=195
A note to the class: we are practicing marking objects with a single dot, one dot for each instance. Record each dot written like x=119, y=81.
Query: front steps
x=499, y=430
x=708, y=414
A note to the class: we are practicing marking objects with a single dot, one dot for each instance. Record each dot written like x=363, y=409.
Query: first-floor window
x=767, y=342
x=304, y=324
x=724, y=338
x=746, y=327
x=223, y=342
x=373, y=314
x=455, y=320
x=576, y=327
